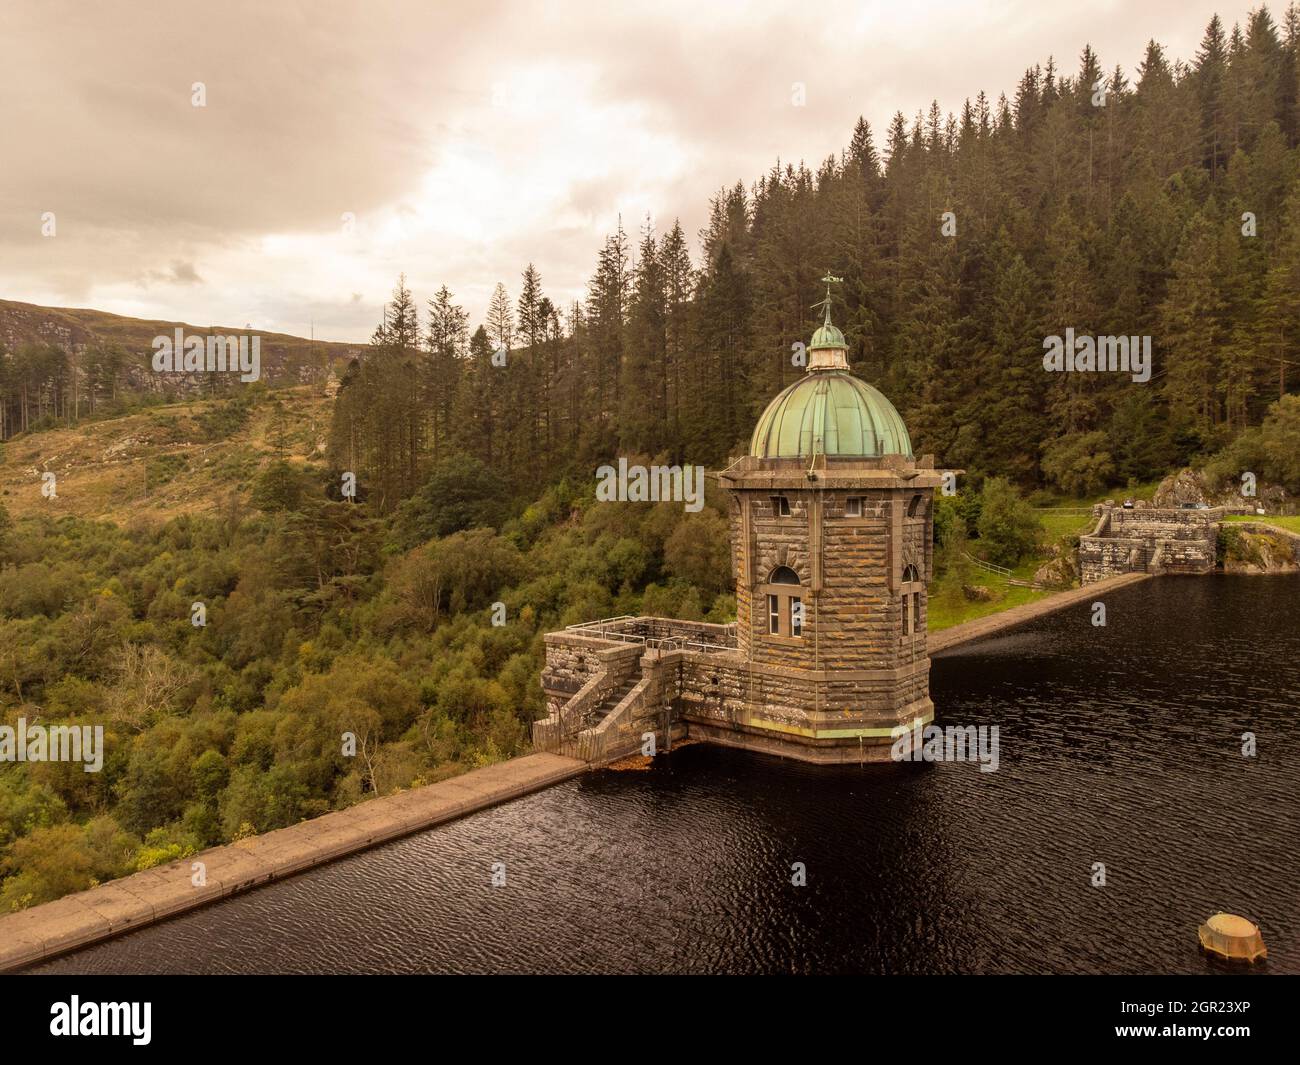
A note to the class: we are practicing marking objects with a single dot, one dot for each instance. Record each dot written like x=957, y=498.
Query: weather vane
x=830, y=279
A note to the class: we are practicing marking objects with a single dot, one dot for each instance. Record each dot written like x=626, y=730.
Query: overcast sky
x=464, y=139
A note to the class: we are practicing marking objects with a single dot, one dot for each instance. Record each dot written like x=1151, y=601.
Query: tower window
x=781, y=506
x=913, y=506
x=916, y=611
x=907, y=615
x=910, y=574
x=785, y=610
x=853, y=507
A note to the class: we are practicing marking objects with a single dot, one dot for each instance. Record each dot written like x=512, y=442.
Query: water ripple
x=1120, y=745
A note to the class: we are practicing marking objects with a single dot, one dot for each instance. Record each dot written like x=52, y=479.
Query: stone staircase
x=616, y=734
x=596, y=713
x=607, y=716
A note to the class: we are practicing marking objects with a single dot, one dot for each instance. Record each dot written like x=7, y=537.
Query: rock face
x=1251, y=548
x=1059, y=572
x=1185, y=486
x=1190, y=486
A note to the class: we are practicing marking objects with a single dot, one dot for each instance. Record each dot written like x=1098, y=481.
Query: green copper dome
x=828, y=336
x=830, y=413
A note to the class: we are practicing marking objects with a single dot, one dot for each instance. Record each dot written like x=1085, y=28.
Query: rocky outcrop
x=1252, y=548
x=1062, y=571
x=1185, y=486
x=1191, y=486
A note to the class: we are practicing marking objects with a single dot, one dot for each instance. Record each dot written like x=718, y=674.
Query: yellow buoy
x=1232, y=938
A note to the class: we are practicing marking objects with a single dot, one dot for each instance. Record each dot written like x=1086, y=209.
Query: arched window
x=784, y=608
x=911, y=601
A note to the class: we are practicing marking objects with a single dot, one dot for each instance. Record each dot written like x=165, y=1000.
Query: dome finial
x=828, y=347
x=830, y=279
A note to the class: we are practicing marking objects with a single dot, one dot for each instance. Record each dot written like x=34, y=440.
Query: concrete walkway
x=134, y=901
x=948, y=638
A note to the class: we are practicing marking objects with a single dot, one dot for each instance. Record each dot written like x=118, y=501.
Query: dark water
x=1119, y=745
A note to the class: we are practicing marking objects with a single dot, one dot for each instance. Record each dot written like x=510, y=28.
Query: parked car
x=1128, y=504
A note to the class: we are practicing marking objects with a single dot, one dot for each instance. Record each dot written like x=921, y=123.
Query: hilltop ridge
x=286, y=359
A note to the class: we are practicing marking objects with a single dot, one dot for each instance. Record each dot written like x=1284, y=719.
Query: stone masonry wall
x=571, y=661
x=855, y=622
x=1149, y=540
x=723, y=690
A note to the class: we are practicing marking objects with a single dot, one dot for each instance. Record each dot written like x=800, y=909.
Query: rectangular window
x=853, y=507
x=774, y=615
x=796, y=616
x=916, y=611
x=781, y=506
x=907, y=616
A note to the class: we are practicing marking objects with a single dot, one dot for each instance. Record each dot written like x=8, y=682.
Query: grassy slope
x=947, y=606
x=1291, y=523
x=101, y=466
x=1060, y=517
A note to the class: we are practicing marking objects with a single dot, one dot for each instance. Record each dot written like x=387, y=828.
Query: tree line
x=43, y=384
x=1162, y=204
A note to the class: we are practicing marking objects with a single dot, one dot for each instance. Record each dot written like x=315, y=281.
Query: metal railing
x=680, y=642
x=600, y=623
x=991, y=567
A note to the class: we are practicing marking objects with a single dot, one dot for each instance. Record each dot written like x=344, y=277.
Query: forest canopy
x=1162, y=202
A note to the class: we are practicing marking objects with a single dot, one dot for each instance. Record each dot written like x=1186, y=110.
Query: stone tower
x=831, y=546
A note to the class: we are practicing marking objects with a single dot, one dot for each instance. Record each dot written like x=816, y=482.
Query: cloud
x=341, y=145
x=184, y=274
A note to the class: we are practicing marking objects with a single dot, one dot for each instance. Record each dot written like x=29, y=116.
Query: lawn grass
x=947, y=606
x=1290, y=522
x=1057, y=524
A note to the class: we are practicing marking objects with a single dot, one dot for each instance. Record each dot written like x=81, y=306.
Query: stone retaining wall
x=1149, y=540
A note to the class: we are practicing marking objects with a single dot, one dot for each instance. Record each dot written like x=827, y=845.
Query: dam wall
x=1149, y=540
